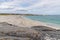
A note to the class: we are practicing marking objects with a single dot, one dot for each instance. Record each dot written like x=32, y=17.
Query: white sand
x=22, y=21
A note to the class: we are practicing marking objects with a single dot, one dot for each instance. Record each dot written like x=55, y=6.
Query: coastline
x=51, y=25
x=22, y=21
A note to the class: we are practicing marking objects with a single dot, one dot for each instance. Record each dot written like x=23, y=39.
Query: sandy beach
x=18, y=20
x=22, y=21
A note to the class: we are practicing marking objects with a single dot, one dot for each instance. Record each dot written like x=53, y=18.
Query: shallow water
x=52, y=20
x=49, y=18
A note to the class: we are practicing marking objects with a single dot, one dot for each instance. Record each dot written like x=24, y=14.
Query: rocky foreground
x=14, y=27
x=13, y=32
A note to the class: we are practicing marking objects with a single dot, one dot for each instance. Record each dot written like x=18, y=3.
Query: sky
x=50, y=7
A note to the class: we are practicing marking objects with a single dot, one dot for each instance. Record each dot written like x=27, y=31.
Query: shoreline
x=51, y=25
x=22, y=21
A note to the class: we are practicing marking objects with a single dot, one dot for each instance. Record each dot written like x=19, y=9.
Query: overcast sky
x=30, y=6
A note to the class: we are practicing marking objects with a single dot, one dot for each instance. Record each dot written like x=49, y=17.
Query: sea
x=53, y=20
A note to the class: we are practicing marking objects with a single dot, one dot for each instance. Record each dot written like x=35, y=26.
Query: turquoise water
x=55, y=19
